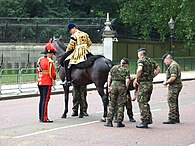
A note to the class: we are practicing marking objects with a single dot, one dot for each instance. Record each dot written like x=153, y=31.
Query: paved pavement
x=30, y=90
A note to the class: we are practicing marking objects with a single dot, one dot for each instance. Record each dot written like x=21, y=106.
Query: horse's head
x=60, y=47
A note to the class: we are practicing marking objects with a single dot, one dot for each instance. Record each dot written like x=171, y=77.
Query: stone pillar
x=108, y=38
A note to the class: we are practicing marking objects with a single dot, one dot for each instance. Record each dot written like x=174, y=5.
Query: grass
x=28, y=75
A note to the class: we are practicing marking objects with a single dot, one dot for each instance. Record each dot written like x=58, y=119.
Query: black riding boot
x=67, y=80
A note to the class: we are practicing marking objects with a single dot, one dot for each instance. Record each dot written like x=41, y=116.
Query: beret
x=126, y=60
x=141, y=49
x=165, y=55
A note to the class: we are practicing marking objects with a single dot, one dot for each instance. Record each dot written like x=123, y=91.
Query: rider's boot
x=67, y=80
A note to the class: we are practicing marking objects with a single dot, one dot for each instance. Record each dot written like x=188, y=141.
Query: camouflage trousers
x=144, y=95
x=173, y=94
x=128, y=105
x=83, y=90
x=117, y=98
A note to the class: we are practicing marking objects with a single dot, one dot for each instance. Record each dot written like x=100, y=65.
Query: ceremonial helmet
x=49, y=48
x=70, y=26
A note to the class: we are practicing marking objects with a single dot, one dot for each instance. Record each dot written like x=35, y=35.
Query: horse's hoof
x=103, y=119
x=80, y=116
x=64, y=116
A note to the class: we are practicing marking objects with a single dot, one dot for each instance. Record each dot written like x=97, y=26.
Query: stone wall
x=13, y=55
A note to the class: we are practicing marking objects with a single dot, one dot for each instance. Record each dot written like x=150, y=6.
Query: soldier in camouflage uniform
x=83, y=90
x=147, y=69
x=128, y=103
x=118, y=81
x=173, y=80
x=78, y=48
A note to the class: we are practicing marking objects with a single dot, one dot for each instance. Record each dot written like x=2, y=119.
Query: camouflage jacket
x=174, y=70
x=149, y=65
x=119, y=73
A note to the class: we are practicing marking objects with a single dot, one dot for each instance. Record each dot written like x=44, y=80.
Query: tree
x=33, y=8
x=140, y=18
x=147, y=16
x=11, y=8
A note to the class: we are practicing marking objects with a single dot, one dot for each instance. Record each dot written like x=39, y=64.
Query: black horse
x=96, y=74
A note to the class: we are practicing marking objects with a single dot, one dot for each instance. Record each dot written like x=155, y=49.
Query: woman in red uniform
x=46, y=75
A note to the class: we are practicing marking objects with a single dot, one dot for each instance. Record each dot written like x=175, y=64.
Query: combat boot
x=120, y=124
x=74, y=114
x=142, y=125
x=108, y=124
x=85, y=114
x=132, y=119
x=177, y=120
x=150, y=121
x=170, y=121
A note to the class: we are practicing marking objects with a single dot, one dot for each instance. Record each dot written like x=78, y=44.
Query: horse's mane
x=60, y=43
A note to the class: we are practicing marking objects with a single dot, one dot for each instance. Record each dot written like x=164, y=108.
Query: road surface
x=19, y=124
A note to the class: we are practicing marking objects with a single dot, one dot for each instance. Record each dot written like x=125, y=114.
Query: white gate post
x=108, y=38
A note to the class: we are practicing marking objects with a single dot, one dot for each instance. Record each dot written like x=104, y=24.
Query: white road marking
x=193, y=103
x=4, y=137
x=59, y=128
x=135, y=113
x=192, y=144
x=99, y=112
x=156, y=110
x=65, y=127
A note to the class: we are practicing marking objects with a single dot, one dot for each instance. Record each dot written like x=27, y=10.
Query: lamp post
x=171, y=24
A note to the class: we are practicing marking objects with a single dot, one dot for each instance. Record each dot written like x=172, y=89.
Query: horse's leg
x=104, y=100
x=66, y=96
x=80, y=101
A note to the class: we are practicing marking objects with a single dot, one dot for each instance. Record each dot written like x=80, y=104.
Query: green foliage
x=33, y=8
x=101, y=7
x=11, y=8
x=144, y=16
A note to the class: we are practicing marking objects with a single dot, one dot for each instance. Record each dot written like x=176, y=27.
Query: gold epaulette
x=50, y=60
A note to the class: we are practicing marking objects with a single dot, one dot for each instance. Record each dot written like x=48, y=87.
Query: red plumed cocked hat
x=49, y=48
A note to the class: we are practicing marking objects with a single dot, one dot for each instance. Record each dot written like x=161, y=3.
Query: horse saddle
x=88, y=63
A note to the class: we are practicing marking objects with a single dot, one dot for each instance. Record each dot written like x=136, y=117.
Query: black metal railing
x=38, y=30
x=186, y=64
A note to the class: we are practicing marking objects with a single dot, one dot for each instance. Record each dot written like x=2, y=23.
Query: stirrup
x=68, y=83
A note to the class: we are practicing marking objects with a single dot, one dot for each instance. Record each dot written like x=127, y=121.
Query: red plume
x=50, y=40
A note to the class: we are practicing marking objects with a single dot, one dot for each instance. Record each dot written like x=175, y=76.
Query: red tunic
x=46, y=71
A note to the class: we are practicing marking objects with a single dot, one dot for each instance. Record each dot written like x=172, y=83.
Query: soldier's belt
x=45, y=72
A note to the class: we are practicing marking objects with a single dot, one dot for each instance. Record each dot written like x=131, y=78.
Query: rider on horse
x=78, y=48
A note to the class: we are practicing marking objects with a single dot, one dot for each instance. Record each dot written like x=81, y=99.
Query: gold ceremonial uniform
x=80, y=42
